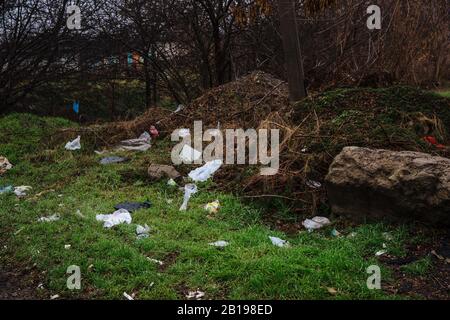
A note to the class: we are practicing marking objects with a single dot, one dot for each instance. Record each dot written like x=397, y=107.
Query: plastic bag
x=316, y=223
x=279, y=242
x=189, y=190
x=189, y=155
x=204, y=173
x=118, y=217
x=74, y=145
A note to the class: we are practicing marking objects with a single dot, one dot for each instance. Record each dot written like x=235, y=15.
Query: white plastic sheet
x=189, y=190
x=142, y=232
x=118, y=217
x=204, y=173
x=74, y=145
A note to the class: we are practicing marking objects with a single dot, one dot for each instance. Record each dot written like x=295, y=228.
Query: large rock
x=380, y=184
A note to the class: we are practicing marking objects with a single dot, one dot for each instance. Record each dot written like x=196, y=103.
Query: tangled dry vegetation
x=313, y=131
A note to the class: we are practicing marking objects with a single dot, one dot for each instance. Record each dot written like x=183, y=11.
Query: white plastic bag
x=22, y=191
x=142, y=232
x=220, y=244
x=202, y=174
x=74, y=145
x=316, y=223
x=189, y=190
x=279, y=242
x=118, y=217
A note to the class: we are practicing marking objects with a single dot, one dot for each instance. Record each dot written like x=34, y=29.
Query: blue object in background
x=76, y=107
x=130, y=59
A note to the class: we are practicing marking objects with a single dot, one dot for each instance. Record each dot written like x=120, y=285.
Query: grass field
x=114, y=261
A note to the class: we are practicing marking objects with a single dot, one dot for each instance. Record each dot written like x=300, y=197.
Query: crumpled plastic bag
x=189, y=190
x=143, y=143
x=279, y=242
x=22, y=191
x=142, y=232
x=213, y=207
x=220, y=244
x=119, y=217
x=316, y=223
x=7, y=189
x=204, y=173
x=5, y=165
x=52, y=218
x=74, y=145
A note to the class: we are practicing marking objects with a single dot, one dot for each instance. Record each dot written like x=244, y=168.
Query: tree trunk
x=292, y=49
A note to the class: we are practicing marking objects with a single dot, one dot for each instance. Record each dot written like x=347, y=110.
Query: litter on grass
x=52, y=218
x=197, y=295
x=313, y=184
x=213, y=207
x=188, y=155
x=143, y=143
x=7, y=189
x=119, y=217
x=5, y=165
x=220, y=244
x=142, y=232
x=22, y=191
x=336, y=233
x=113, y=160
x=279, y=242
x=128, y=297
x=74, y=145
x=133, y=206
x=156, y=261
x=172, y=183
x=316, y=223
x=204, y=173
x=189, y=190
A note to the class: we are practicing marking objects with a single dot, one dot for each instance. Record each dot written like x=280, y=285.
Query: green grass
x=418, y=268
x=250, y=268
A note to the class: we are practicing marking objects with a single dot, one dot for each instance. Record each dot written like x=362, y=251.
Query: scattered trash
x=313, y=184
x=189, y=190
x=197, y=295
x=169, y=201
x=76, y=107
x=316, y=223
x=40, y=286
x=433, y=141
x=279, y=242
x=113, y=160
x=5, y=165
x=156, y=261
x=158, y=172
x=67, y=247
x=133, y=206
x=154, y=133
x=180, y=108
x=352, y=235
x=213, y=207
x=56, y=296
x=52, y=218
x=91, y=267
x=202, y=174
x=189, y=155
x=78, y=213
x=142, y=232
x=118, y=217
x=332, y=291
x=22, y=191
x=380, y=253
x=387, y=236
x=220, y=244
x=74, y=145
x=172, y=183
x=143, y=143
x=7, y=189
x=336, y=233
x=128, y=297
